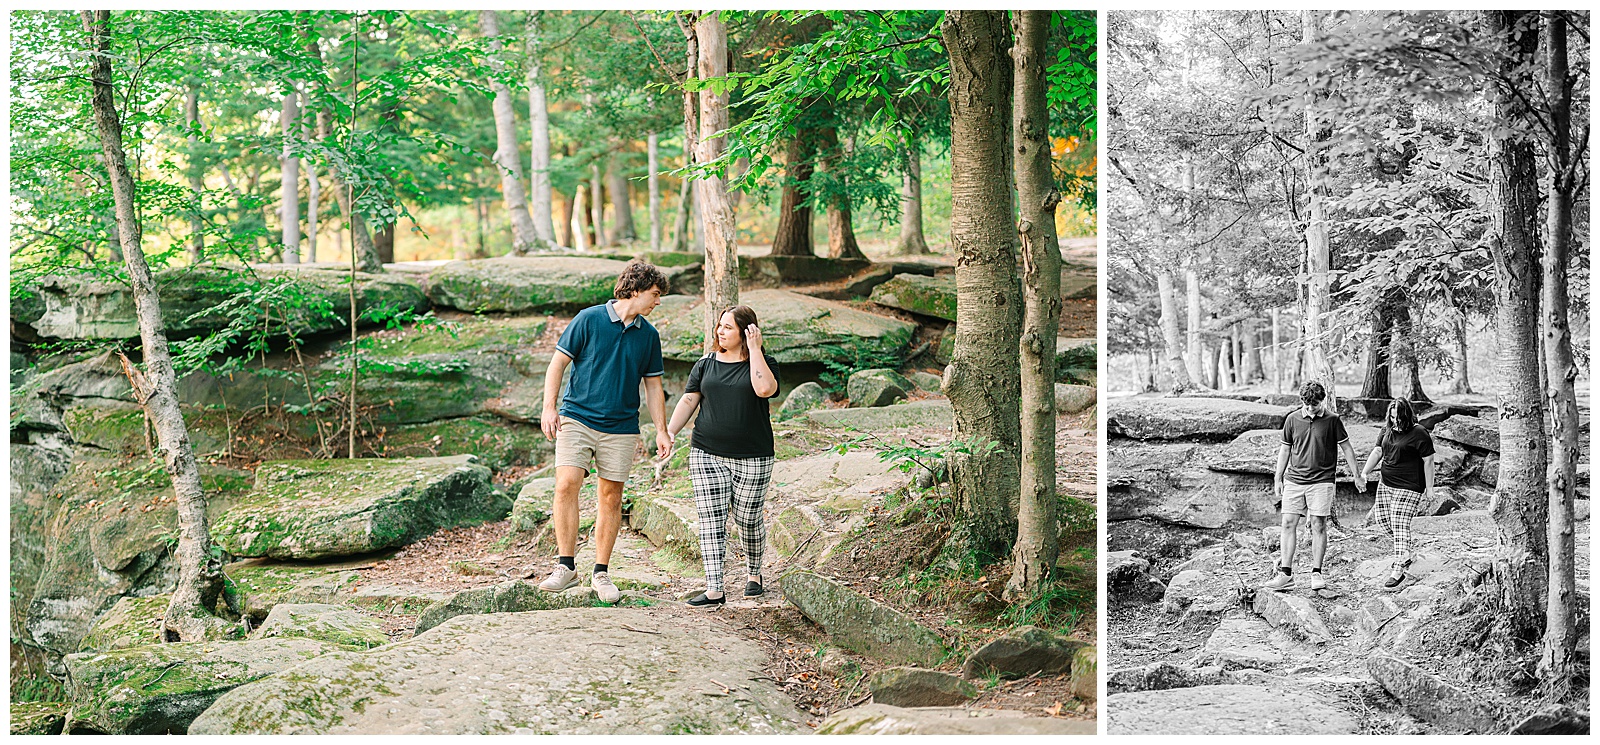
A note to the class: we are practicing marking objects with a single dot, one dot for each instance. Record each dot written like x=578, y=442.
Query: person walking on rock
x=1406, y=451
x=1313, y=437
x=730, y=453
x=611, y=348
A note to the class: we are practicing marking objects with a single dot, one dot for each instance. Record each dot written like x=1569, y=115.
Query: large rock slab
x=668, y=521
x=575, y=671
x=335, y=624
x=779, y=271
x=1071, y=399
x=860, y=624
x=1242, y=642
x=1224, y=710
x=929, y=296
x=258, y=585
x=1295, y=615
x=521, y=284
x=316, y=509
x=38, y=717
x=1189, y=418
x=132, y=622
x=877, y=387
x=881, y=719
x=1427, y=697
x=912, y=686
x=932, y=412
x=515, y=596
x=160, y=689
x=1162, y=675
x=1021, y=652
x=1479, y=434
x=794, y=328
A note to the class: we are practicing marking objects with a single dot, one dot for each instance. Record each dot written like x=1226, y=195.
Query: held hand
x=550, y=423
x=752, y=338
x=1277, y=489
x=1361, y=485
x=663, y=446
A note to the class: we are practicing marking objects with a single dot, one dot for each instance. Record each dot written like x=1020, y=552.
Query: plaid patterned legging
x=720, y=484
x=1395, y=509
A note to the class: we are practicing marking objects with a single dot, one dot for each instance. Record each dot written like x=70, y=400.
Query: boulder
x=1071, y=399
x=837, y=665
x=1431, y=699
x=1224, y=710
x=803, y=398
x=257, y=585
x=911, y=686
x=1189, y=418
x=933, y=412
x=1256, y=452
x=1076, y=360
x=1243, y=642
x=535, y=504
x=794, y=328
x=861, y=285
x=38, y=717
x=877, y=387
x=1295, y=615
x=132, y=622
x=1077, y=284
x=927, y=381
x=159, y=689
x=521, y=284
x=782, y=271
x=1021, y=652
x=861, y=624
x=335, y=624
x=1482, y=435
x=1162, y=675
x=631, y=671
x=928, y=296
x=1556, y=719
x=516, y=596
x=945, y=350
x=1128, y=578
x=1086, y=674
x=668, y=521
x=316, y=509
x=880, y=719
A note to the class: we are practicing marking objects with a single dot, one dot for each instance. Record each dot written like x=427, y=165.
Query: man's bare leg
x=1289, y=541
x=608, y=520
x=1319, y=540
x=569, y=479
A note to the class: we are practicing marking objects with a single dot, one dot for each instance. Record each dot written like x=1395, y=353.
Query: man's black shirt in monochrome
x=733, y=422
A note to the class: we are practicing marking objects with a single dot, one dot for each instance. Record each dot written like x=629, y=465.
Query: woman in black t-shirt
x=1406, y=451
x=730, y=455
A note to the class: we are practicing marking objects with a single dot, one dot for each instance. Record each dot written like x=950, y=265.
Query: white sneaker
x=1315, y=581
x=560, y=579
x=1280, y=582
x=603, y=587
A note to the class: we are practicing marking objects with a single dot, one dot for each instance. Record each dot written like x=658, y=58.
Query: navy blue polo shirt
x=608, y=360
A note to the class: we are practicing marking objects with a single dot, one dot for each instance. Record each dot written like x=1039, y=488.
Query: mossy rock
x=317, y=509
x=161, y=688
x=933, y=412
x=1076, y=360
x=794, y=328
x=778, y=271
x=877, y=387
x=860, y=624
x=258, y=585
x=38, y=717
x=497, y=443
x=335, y=624
x=803, y=398
x=928, y=296
x=668, y=520
x=535, y=503
x=472, y=335
x=516, y=596
x=522, y=284
x=132, y=622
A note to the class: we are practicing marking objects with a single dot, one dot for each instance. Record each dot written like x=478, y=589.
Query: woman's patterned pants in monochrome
x=1395, y=508
x=722, y=485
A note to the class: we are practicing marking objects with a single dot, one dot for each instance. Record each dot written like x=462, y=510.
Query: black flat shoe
x=701, y=601
x=752, y=589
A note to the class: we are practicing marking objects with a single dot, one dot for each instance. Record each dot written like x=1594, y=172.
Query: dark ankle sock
x=1316, y=570
x=598, y=568
x=1286, y=570
x=566, y=561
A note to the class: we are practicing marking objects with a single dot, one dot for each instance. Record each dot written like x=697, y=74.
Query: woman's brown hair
x=743, y=317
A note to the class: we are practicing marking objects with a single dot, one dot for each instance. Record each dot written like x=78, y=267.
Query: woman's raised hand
x=752, y=338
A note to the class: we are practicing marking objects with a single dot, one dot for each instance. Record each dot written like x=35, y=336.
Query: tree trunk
x=1380, y=341
x=688, y=198
x=1177, y=370
x=1277, y=353
x=524, y=236
x=1406, y=365
x=539, y=191
x=622, y=230
x=722, y=261
x=1459, y=383
x=1520, y=506
x=654, y=158
x=680, y=226
x=1316, y=221
x=384, y=242
x=1194, y=353
x=841, y=234
x=982, y=379
x=313, y=201
x=565, y=237
x=793, y=234
x=912, y=241
x=580, y=217
x=1557, y=664
x=156, y=386
x=597, y=207
x=365, y=253
x=197, y=179
x=289, y=214
x=1035, y=551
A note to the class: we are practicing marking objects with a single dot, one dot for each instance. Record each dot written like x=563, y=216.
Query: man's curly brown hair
x=637, y=278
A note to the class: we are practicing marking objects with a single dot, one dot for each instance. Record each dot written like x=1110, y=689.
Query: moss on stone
x=929, y=296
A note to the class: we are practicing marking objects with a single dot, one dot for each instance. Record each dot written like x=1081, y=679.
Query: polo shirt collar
x=611, y=310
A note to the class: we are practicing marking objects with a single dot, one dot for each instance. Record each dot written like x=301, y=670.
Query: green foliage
x=933, y=459
x=1066, y=599
x=844, y=360
x=31, y=688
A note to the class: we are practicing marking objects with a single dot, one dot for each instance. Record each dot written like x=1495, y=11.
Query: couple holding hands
x=611, y=349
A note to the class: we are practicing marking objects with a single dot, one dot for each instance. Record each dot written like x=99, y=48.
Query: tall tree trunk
x=539, y=191
x=793, y=234
x=1035, y=551
x=1459, y=382
x=313, y=200
x=580, y=217
x=1407, y=368
x=156, y=386
x=688, y=199
x=566, y=222
x=1557, y=652
x=912, y=240
x=289, y=214
x=384, y=242
x=1178, y=373
x=1194, y=348
x=362, y=247
x=597, y=207
x=1317, y=133
x=982, y=379
x=841, y=234
x=622, y=230
x=1277, y=353
x=524, y=236
x=680, y=226
x=654, y=164
x=1520, y=506
x=1380, y=343
x=722, y=260
x=197, y=179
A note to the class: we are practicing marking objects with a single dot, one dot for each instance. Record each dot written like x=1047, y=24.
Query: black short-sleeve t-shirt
x=734, y=422
x=1313, y=447
x=1402, y=457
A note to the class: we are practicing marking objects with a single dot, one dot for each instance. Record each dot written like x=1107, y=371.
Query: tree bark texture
x=653, y=157
x=156, y=386
x=539, y=191
x=1194, y=356
x=912, y=240
x=1034, y=554
x=841, y=233
x=580, y=217
x=1317, y=133
x=197, y=179
x=523, y=235
x=289, y=213
x=722, y=263
x=383, y=240
x=793, y=234
x=1520, y=506
x=1459, y=381
x=982, y=381
x=1173, y=364
x=622, y=228
x=313, y=200
x=597, y=207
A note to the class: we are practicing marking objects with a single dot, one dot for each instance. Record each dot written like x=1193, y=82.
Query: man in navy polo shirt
x=611, y=348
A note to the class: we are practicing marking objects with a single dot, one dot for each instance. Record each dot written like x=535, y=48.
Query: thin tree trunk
x=1035, y=551
x=1277, y=354
x=539, y=190
x=1406, y=364
x=680, y=226
x=524, y=236
x=289, y=214
x=1557, y=664
x=982, y=380
x=1179, y=375
x=199, y=573
x=1194, y=354
x=1521, y=504
x=597, y=207
x=197, y=183
x=792, y=237
x=362, y=247
x=384, y=242
x=622, y=230
x=688, y=198
x=580, y=217
x=654, y=164
x=1459, y=382
x=722, y=261
x=1316, y=221
x=841, y=233
x=1380, y=342
x=313, y=202
x=912, y=240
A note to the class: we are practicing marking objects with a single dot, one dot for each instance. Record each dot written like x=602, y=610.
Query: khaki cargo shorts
x=1315, y=500
x=578, y=445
